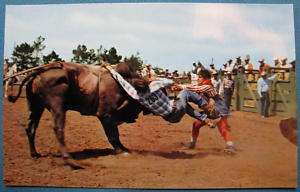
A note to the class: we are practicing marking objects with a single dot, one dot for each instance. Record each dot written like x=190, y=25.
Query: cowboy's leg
x=195, y=133
x=225, y=133
x=267, y=105
x=189, y=96
x=262, y=104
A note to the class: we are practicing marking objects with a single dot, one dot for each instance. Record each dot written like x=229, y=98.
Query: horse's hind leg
x=112, y=133
x=35, y=113
x=59, y=116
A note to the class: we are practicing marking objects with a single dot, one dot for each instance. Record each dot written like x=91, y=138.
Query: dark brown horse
x=90, y=90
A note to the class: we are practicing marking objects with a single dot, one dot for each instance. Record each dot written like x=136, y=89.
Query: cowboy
x=263, y=87
x=155, y=100
x=205, y=87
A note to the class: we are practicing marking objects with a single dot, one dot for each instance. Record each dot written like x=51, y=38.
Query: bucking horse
x=90, y=90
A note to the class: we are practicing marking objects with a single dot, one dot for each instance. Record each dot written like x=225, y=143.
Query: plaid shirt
x=228, y=84
x=207, y=90
x=155, y=100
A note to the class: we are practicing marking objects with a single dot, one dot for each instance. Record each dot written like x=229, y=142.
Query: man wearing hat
x=263, y=66
x=227, y=88
x=263, y=87
x=148, y=73
x=212, y=67
x=277, y=63
x=248, y=67
x=230, y=65
x=284, y=64
x=215, y=80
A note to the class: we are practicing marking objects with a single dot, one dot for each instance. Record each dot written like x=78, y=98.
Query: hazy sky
x=166, y=35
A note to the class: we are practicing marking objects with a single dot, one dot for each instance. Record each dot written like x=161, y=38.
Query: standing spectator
x=227, y=88
x=167, y=73
x=216, y=82
x=263, y=86
x=212, y=68
x=200, y=67
x=175, y=74
x=238, y=64
x=12, y=69
x=277, y=63
x=293, y=63
x=194, y=68
x=148, y=73
x=230, y=66
x=194, y=75
x=224, y=67
x=5, y=67
x=263, y=66
x=284, y=64
x=248, y=67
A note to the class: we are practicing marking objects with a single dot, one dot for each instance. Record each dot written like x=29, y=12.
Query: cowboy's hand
x=209, y=123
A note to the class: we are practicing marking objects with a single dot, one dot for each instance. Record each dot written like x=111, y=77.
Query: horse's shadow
x=178, y=154
x=91, y=153
x=184, y=154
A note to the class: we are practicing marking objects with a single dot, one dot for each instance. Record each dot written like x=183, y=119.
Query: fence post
x=293, y=97
x=238, y=88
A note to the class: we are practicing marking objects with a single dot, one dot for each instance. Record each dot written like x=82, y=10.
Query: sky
x=166, y=35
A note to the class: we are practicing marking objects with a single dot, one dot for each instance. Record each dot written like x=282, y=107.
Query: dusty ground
x=264, y=160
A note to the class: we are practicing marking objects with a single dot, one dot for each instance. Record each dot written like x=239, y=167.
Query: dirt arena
x=265, y=159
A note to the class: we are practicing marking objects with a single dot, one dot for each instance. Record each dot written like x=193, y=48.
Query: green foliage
x=38, y=46
x=135, y=62
x=84, y=56
x=51, y=57
x=157, y=70
x=111, y=56
x=23, y=56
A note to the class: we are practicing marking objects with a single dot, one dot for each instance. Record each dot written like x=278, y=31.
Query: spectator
x=11, y=70
x=263, y=86
x=284, y=64
x=167, y=73
x=227, y=88
x=199, y=67
x=175, y=74
x=230, y=66
x=263, y=66
x=194, y=76
x=293, y=63
x=224, y=67
x=212, y=68
x=194, y=68
x=277, y=63
x=248, y=65
x=238, y=64
x=148, y=73
x=216, y=81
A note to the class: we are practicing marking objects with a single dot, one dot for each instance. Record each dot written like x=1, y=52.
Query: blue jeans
x=264, y=104
x=181, y=106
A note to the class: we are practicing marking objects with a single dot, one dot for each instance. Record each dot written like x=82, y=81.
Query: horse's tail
x=30, y=77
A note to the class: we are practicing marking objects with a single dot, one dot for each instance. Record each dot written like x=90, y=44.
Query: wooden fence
x=282, y=93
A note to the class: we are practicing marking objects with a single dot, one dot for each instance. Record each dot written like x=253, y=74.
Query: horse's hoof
x=120, y=151
x=35, y=155
x=74, y=165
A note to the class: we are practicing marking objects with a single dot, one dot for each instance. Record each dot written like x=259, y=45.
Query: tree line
x=28, y=55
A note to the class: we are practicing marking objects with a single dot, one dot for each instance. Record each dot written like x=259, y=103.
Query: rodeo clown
x=159, y=103
x=206, y=89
